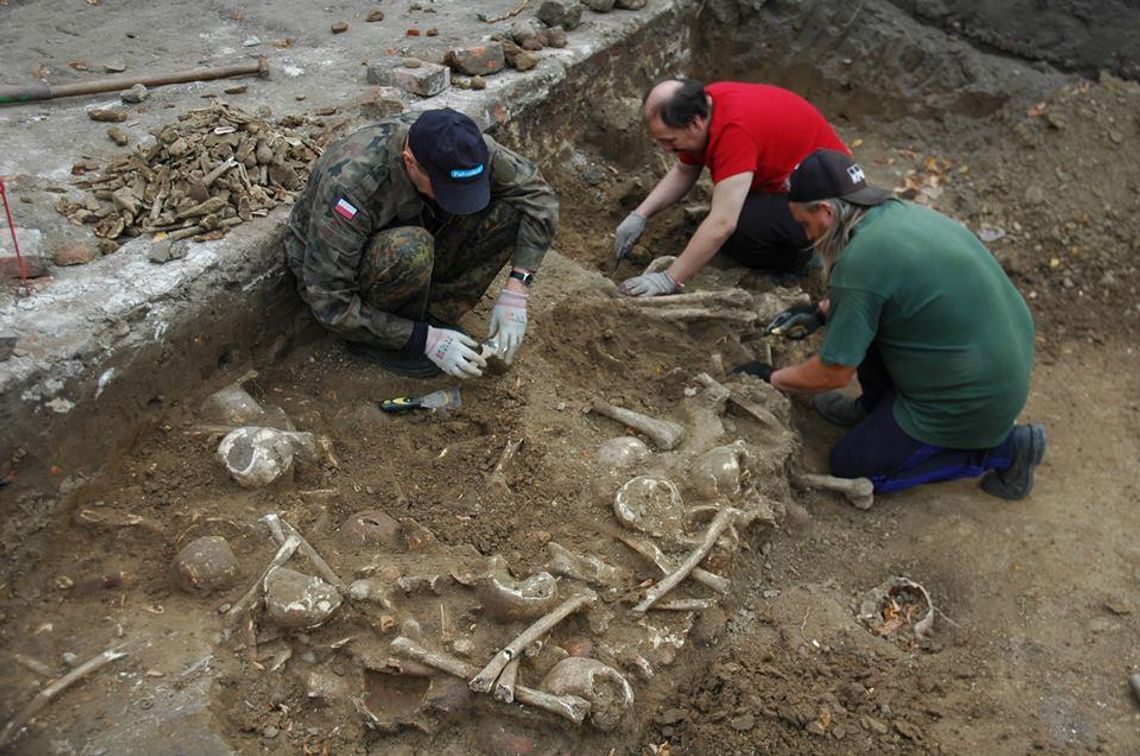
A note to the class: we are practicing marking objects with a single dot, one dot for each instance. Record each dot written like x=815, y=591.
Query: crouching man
x=941, y=341
x=401, y=229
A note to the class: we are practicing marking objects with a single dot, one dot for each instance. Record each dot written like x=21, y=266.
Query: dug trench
x=440, y=525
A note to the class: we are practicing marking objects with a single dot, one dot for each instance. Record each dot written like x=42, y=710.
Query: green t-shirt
x=954, y=334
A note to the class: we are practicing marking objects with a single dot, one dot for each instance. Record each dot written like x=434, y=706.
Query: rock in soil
x=74, y=253
x=206, y=565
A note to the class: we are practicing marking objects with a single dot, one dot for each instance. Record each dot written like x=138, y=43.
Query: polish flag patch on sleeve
x=345, y=209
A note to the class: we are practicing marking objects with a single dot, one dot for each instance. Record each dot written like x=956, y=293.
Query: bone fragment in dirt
x=724, y=519
x=683, y=605
x=650, y=551
x=109, y=518
x=570, y=707
x=748, y=407
x=673, y=314
x=505, y=686
x=589, y=569
x=34, y=665
x=717, y=298
x=664, y=434
x=281, y=528
x=497, y=480
x=49, y=693
x=609, y=693
x=421, y=584
x=483, y=682
x=281, y=557
x=859, y=491
x=659, y=264
x=505, y=599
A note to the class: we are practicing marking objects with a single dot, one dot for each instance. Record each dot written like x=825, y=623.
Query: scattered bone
x=280, y=558
x=608, y=692
x=507, y=600
x=589, y=569
x=111, y=518
x=256, y=457
x=659, y=264
x=859, y=491
x=621, y=452
x=281, y=528
x=482, y=682
x=716, y=473
x=413, y=584
x=671, y=314
x=684, y=605
x=51, y=692
x=373, y=527
x=651, y=504
x=33, y=665
x=896, y=606
x=664, y=434
x=749, y=407
x=667, y=565
x=205, y=565
x=570, y=707
x=505, y=686
x=296, y=601
x=233, y=405
x=719, y=298
x=720, y=523
x=497, y=480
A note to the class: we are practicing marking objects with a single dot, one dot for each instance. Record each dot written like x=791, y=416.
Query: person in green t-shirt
x=940, y=339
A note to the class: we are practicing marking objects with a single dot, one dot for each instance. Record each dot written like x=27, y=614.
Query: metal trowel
x=444, y=399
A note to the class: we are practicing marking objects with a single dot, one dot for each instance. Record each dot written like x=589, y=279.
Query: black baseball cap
x=829, y=173
x=449, y=146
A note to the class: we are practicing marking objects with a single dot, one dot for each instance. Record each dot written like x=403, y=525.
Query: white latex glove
x=649, y=285
x=455, y=353
x=627, y=234
x=508, y=323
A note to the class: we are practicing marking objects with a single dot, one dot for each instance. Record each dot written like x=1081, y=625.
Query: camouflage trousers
x=443, y=267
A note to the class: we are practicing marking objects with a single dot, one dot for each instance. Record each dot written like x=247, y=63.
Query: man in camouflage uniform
x=401, y=228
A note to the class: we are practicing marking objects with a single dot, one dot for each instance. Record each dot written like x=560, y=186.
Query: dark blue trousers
x=877, y=448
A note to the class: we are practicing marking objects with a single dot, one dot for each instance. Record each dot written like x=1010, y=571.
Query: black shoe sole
x=400, y=363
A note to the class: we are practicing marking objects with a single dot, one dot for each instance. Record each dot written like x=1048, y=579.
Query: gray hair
x=846, y=215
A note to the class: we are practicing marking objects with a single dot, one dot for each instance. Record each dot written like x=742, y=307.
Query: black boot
x=1016, y=481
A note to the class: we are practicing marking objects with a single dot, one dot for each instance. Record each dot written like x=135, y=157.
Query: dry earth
x=1038, y=603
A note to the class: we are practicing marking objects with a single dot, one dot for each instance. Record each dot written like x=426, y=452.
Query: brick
x=31, y=249
x=426, y=80
x=561, y=13
x=477, y=60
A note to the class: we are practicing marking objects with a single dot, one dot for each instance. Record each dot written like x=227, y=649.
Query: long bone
x=664, y=434
x=570, y=707
x=671, y=314
x=485, y=680
x=666, y=564
x=859, y=491
x=726, y=517
x=722, y=298
x=281, y=557
x=280, y=529
x=749, y=407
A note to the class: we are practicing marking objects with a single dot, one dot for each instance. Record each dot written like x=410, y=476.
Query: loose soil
x=1035, y=633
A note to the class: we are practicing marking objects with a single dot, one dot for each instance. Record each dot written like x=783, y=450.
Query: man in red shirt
x=751, y=137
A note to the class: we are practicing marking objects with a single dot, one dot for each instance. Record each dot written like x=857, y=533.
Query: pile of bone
x=215, y=168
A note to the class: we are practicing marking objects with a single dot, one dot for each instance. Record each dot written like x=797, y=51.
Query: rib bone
x=664, y=434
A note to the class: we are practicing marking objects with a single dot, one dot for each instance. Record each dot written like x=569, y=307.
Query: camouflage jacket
x=366, y=171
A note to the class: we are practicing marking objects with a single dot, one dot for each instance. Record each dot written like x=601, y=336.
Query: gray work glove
x=508, y=323
x=454, y=353
x=627, y=234
x=649, y=285
x=796, y=322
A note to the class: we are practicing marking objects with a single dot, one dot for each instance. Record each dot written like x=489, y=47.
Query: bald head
x=677, y=102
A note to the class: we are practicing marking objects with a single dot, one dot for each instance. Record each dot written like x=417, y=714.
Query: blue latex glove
x=649, y=285
x=508, y=323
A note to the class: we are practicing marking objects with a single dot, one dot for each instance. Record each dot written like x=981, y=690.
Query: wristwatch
x=522, y=275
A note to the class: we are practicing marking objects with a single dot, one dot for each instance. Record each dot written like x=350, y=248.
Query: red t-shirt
x=763, y=129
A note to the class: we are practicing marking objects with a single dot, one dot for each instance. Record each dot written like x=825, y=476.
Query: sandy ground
x=1037, y=601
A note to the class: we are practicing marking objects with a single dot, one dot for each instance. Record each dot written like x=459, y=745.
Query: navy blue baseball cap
x=829, y=173
x=449, y=146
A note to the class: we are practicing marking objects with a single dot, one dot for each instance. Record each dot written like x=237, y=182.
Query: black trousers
x=767, y=237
